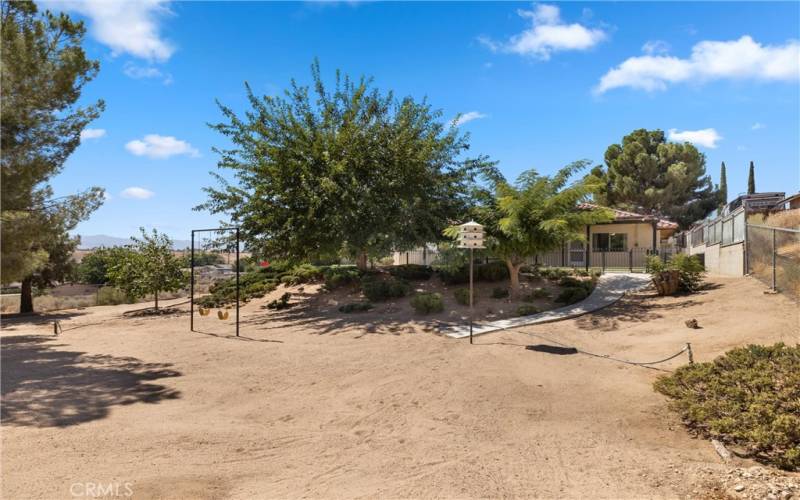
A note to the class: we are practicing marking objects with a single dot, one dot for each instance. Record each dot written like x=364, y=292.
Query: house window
x=609, y=242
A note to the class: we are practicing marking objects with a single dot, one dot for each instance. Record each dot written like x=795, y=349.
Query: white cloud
x=126, y=26
x=654, y=47
x=547, y=34
x=137, y=193
x=468, y=117
x=160, y=147
x=736, y=59
x=758, y=126
x=707, y=137
x=92, y=133
x=138, y=72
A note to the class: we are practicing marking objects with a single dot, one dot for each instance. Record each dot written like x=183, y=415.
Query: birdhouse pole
x=470, y=235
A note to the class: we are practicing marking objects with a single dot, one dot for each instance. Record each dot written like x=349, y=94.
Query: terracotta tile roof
x=625, y=216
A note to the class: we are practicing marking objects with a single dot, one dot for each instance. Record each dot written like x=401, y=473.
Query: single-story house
x=625, y=242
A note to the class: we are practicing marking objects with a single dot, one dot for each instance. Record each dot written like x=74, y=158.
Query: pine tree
x=751, y=179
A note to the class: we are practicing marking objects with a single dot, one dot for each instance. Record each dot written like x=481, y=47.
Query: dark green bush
x=569, y=281
x=281, y=303
x=690, y=269
x=379, y=288
x=580, y=272
x=462, y=296
x=411, y=272
x=339, y=276
x=355, y=307
x=425, y=303
x=304, y=273
x=457, y=276
x=536, y=293
x=527, y=310
x=554, y=273
x=252, y=285
x=491, y=271
x=748, y=397
x=500, y=293
x=572, y=295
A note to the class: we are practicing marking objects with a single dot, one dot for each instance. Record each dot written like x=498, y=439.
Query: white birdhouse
x=470, y=235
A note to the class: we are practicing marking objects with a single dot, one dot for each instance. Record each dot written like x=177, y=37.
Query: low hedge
x=527, y=310
x=488, y=272
x=412, y=272
x=749, y=397
x=339, y=276
x=425, y=303
x=355, y=307
x=572, y=294
x=378, y=288
x=462, y=296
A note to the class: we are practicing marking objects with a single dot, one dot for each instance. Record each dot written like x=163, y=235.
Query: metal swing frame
x=191, y=285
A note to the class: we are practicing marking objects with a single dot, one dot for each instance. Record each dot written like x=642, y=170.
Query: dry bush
x=784, y=218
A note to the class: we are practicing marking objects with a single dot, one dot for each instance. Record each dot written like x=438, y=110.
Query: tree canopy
x=647, y=173
x=44, y=71
x=536, y=214
x=149, y=267
x=350, y=170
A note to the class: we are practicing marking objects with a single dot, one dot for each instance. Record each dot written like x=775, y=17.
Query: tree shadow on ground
x=10, y=321
x=307, y=314
x=44, y=386
x=637, y=308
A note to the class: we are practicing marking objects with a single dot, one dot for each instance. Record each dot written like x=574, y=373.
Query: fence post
x=774, y=263
x=630, y=260
x=603, y=259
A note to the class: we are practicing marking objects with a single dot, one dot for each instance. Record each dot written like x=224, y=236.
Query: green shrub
x=458, y=276
x=580, y=272
x=425, y=303
x=569, y=281
x=110, y=296
x=411, y=272
x=527, y=310
x=304, y=273
x=355, y=307
x=690, y=269
x=462, y=296
x=748, y=397
x=491, y=271
x=281, y=303
x=252, y=285
x=378, y=288
x=554, y=273
x=536, y=293
x=339, y=276
x=500, y=293
x=572, y=295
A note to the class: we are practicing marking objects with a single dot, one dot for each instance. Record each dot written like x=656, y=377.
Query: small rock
x=738, y=487
x=692, y=323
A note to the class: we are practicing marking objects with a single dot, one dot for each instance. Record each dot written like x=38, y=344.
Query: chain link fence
x=773, y=257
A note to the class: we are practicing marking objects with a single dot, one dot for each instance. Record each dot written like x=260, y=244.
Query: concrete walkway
x=610, y=288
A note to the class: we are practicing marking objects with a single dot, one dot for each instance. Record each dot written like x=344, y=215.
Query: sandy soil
x=315, y=405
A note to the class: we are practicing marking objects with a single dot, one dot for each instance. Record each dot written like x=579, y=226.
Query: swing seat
x=222, y=315
x=203, y=311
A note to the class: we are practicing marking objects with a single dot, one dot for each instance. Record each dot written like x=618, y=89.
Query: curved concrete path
x=610, y=288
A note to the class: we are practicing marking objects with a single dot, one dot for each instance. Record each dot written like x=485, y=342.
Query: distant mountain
x=90, y=241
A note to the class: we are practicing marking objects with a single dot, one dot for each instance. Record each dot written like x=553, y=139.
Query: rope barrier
x=687, y=348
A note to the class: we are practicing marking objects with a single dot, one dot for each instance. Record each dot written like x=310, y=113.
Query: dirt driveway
x=303, y=409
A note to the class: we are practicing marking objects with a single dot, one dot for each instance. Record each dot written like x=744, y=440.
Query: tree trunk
x=361, y=261
x=26, y=296
x=156, y=300
x=513, y=273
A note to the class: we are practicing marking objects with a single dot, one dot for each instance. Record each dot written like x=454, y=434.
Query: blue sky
x=545, y=84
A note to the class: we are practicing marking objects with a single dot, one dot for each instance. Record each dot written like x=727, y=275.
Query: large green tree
x=751, y=179
x=536, y=214
x=723, y=187
x=647, y=173
x=346, y=170
x=44, y=70
x=149, y=267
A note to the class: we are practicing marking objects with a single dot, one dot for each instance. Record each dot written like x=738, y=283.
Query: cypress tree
x=751, y=179
x=723, y=186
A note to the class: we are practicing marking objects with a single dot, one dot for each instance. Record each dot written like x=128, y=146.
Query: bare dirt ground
x=309, y=404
